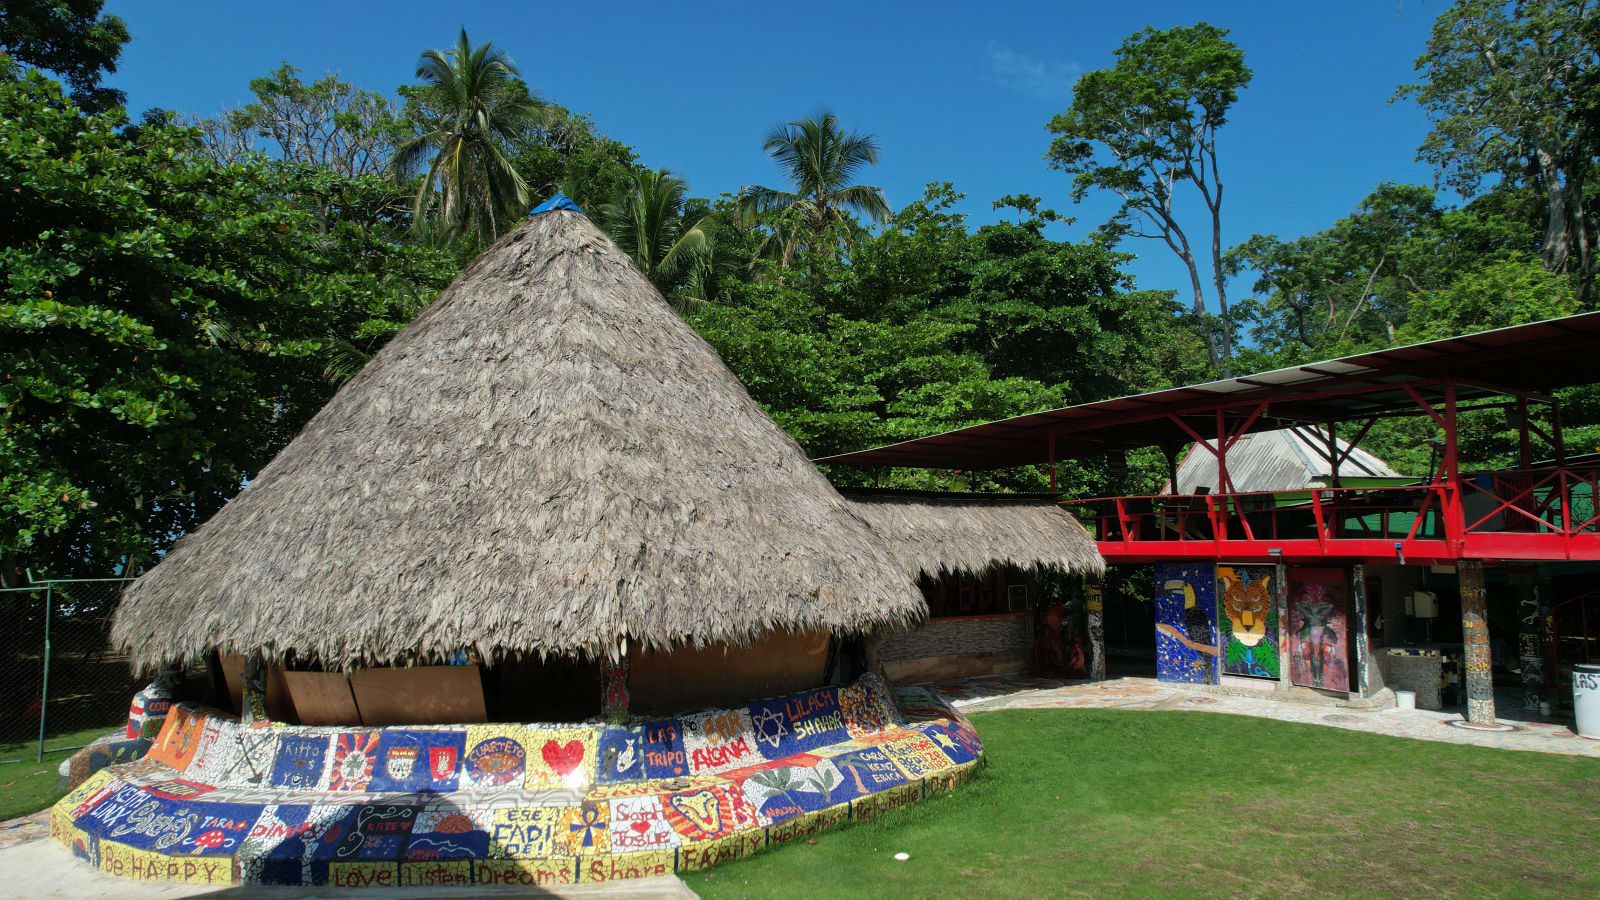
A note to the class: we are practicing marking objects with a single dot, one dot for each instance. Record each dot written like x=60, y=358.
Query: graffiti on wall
x=1186, y=628
x=1318, y=630
x=1250, y=621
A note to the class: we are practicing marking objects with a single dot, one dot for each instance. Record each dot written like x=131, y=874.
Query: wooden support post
x=1524, y=449
x=1280, y=597
x=1558, y=439
x=614, y=698
x=1363, y=651
x=1094, y=605
x=1332, y=438
x=1476, y=668
x=253, y=705
x=1171, y=453
x=1052, y=462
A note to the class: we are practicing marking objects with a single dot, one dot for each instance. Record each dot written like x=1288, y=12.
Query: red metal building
x=1534, y=525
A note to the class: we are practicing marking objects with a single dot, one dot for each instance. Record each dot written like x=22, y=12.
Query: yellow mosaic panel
x=437, y=873
x=884, y=801
x=363, y=874
x=918, y=756
x=561, y=758
x=525, y=872
x=649, y=788
x=583, y=830
x=615, y=866
x=709, y=853
x=808, y=824
x=496, y=756
x=146, y=865
x=526, y=832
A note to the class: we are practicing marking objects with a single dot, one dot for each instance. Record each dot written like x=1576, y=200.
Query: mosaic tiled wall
x=1249, y=620
x=1319, y=634
x=216, y=802
x=1186, y=625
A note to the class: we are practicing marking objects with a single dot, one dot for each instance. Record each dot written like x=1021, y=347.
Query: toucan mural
x=1186, y=624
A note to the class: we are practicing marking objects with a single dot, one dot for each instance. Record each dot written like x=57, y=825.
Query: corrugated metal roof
x=1536, y=357
x=1281, y=460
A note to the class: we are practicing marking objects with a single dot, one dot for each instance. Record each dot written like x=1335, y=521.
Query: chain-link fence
x=61, y=682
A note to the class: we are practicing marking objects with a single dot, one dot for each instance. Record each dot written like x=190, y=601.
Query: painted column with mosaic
x=1363, y=650
x=1476, y=666
x=1524, y=581
x=1280, y=598
x=1094, y=603
x=253, y=705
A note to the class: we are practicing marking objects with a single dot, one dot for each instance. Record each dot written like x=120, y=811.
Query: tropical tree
x=820, y=160
x=471, y=100
x=649, y=222
x=72, y=39
x=1146, y=127
x=1510, y=89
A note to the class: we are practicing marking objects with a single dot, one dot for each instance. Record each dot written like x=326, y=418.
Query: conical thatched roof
x=935, y=533
x=547, y=460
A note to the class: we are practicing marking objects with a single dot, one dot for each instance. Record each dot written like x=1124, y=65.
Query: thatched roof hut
x=548, y=460
x=933, y=533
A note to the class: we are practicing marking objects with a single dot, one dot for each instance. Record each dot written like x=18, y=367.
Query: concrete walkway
x=1023, y=692
x=32, y=865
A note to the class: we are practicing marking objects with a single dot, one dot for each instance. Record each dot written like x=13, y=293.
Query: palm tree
x=473, y=100
x=648, y=221
x=820, y=161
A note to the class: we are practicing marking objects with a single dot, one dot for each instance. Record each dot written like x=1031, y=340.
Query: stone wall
x=959, y=648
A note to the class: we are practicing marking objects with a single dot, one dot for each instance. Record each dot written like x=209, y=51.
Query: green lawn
x=1097, y=803
x=27, y=786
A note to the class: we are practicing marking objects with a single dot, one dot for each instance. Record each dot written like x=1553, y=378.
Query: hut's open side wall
x=683, y=679
x=977, y=625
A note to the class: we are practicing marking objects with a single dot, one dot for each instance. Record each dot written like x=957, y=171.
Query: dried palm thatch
x=547, y=460
x=932, y=534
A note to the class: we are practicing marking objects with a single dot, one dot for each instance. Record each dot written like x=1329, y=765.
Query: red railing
x=1410, y=512
x=1558, y=501
x=1549, y=513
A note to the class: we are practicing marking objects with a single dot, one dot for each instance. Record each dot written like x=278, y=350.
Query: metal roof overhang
x=1529, y=360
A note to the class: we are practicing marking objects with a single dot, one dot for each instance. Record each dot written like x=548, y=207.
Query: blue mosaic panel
x=621, y=756
x=784, y=792
x=795, y=724
x=218, y=828
x=377, y=832
x=959, y=743
x=664, y=756
x=865, y=772
x=300, y=761
x=418, y=761
x=1186, y=622
x=294, y=833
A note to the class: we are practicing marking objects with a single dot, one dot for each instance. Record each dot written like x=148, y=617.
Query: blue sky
x=954, y=92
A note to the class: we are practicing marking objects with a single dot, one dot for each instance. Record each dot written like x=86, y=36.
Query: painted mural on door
x=1248, y=620
x=1318, y=634
x=1186, y=627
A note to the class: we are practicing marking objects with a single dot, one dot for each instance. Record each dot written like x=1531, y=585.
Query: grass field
x=28, y=786
x=1117, y=803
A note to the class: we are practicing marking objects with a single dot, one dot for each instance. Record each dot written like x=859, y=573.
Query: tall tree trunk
x=1557, y=244
x=1200, y=309
x=1576, y=165
x=1225, y=335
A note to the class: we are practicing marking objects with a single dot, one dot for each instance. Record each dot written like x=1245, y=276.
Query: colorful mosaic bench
x=217, y=802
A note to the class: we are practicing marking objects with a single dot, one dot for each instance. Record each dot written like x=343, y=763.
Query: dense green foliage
x=165, y=323
x=179, y=297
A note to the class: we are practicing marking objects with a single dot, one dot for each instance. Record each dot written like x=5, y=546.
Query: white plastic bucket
x=1586, y=698
x=1405, y=699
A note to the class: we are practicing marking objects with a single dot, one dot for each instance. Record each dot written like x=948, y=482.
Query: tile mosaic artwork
x=1186, y=626
x=216, y=802
x=1249, y=620
x=1318, y=636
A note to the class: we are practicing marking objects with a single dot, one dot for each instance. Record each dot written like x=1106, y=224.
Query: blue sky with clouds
x=955, y=92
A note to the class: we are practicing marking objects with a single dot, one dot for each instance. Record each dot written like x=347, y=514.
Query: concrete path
x=32, y=865
x=1022, y=692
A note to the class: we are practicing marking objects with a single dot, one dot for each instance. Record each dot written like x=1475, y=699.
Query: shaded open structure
x=1346, y=587
x=541, y=595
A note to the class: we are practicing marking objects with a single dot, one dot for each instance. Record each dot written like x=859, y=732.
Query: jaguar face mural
x=1250, y=620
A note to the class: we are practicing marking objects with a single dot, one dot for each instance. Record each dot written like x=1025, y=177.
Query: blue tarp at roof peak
x=559, y=201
